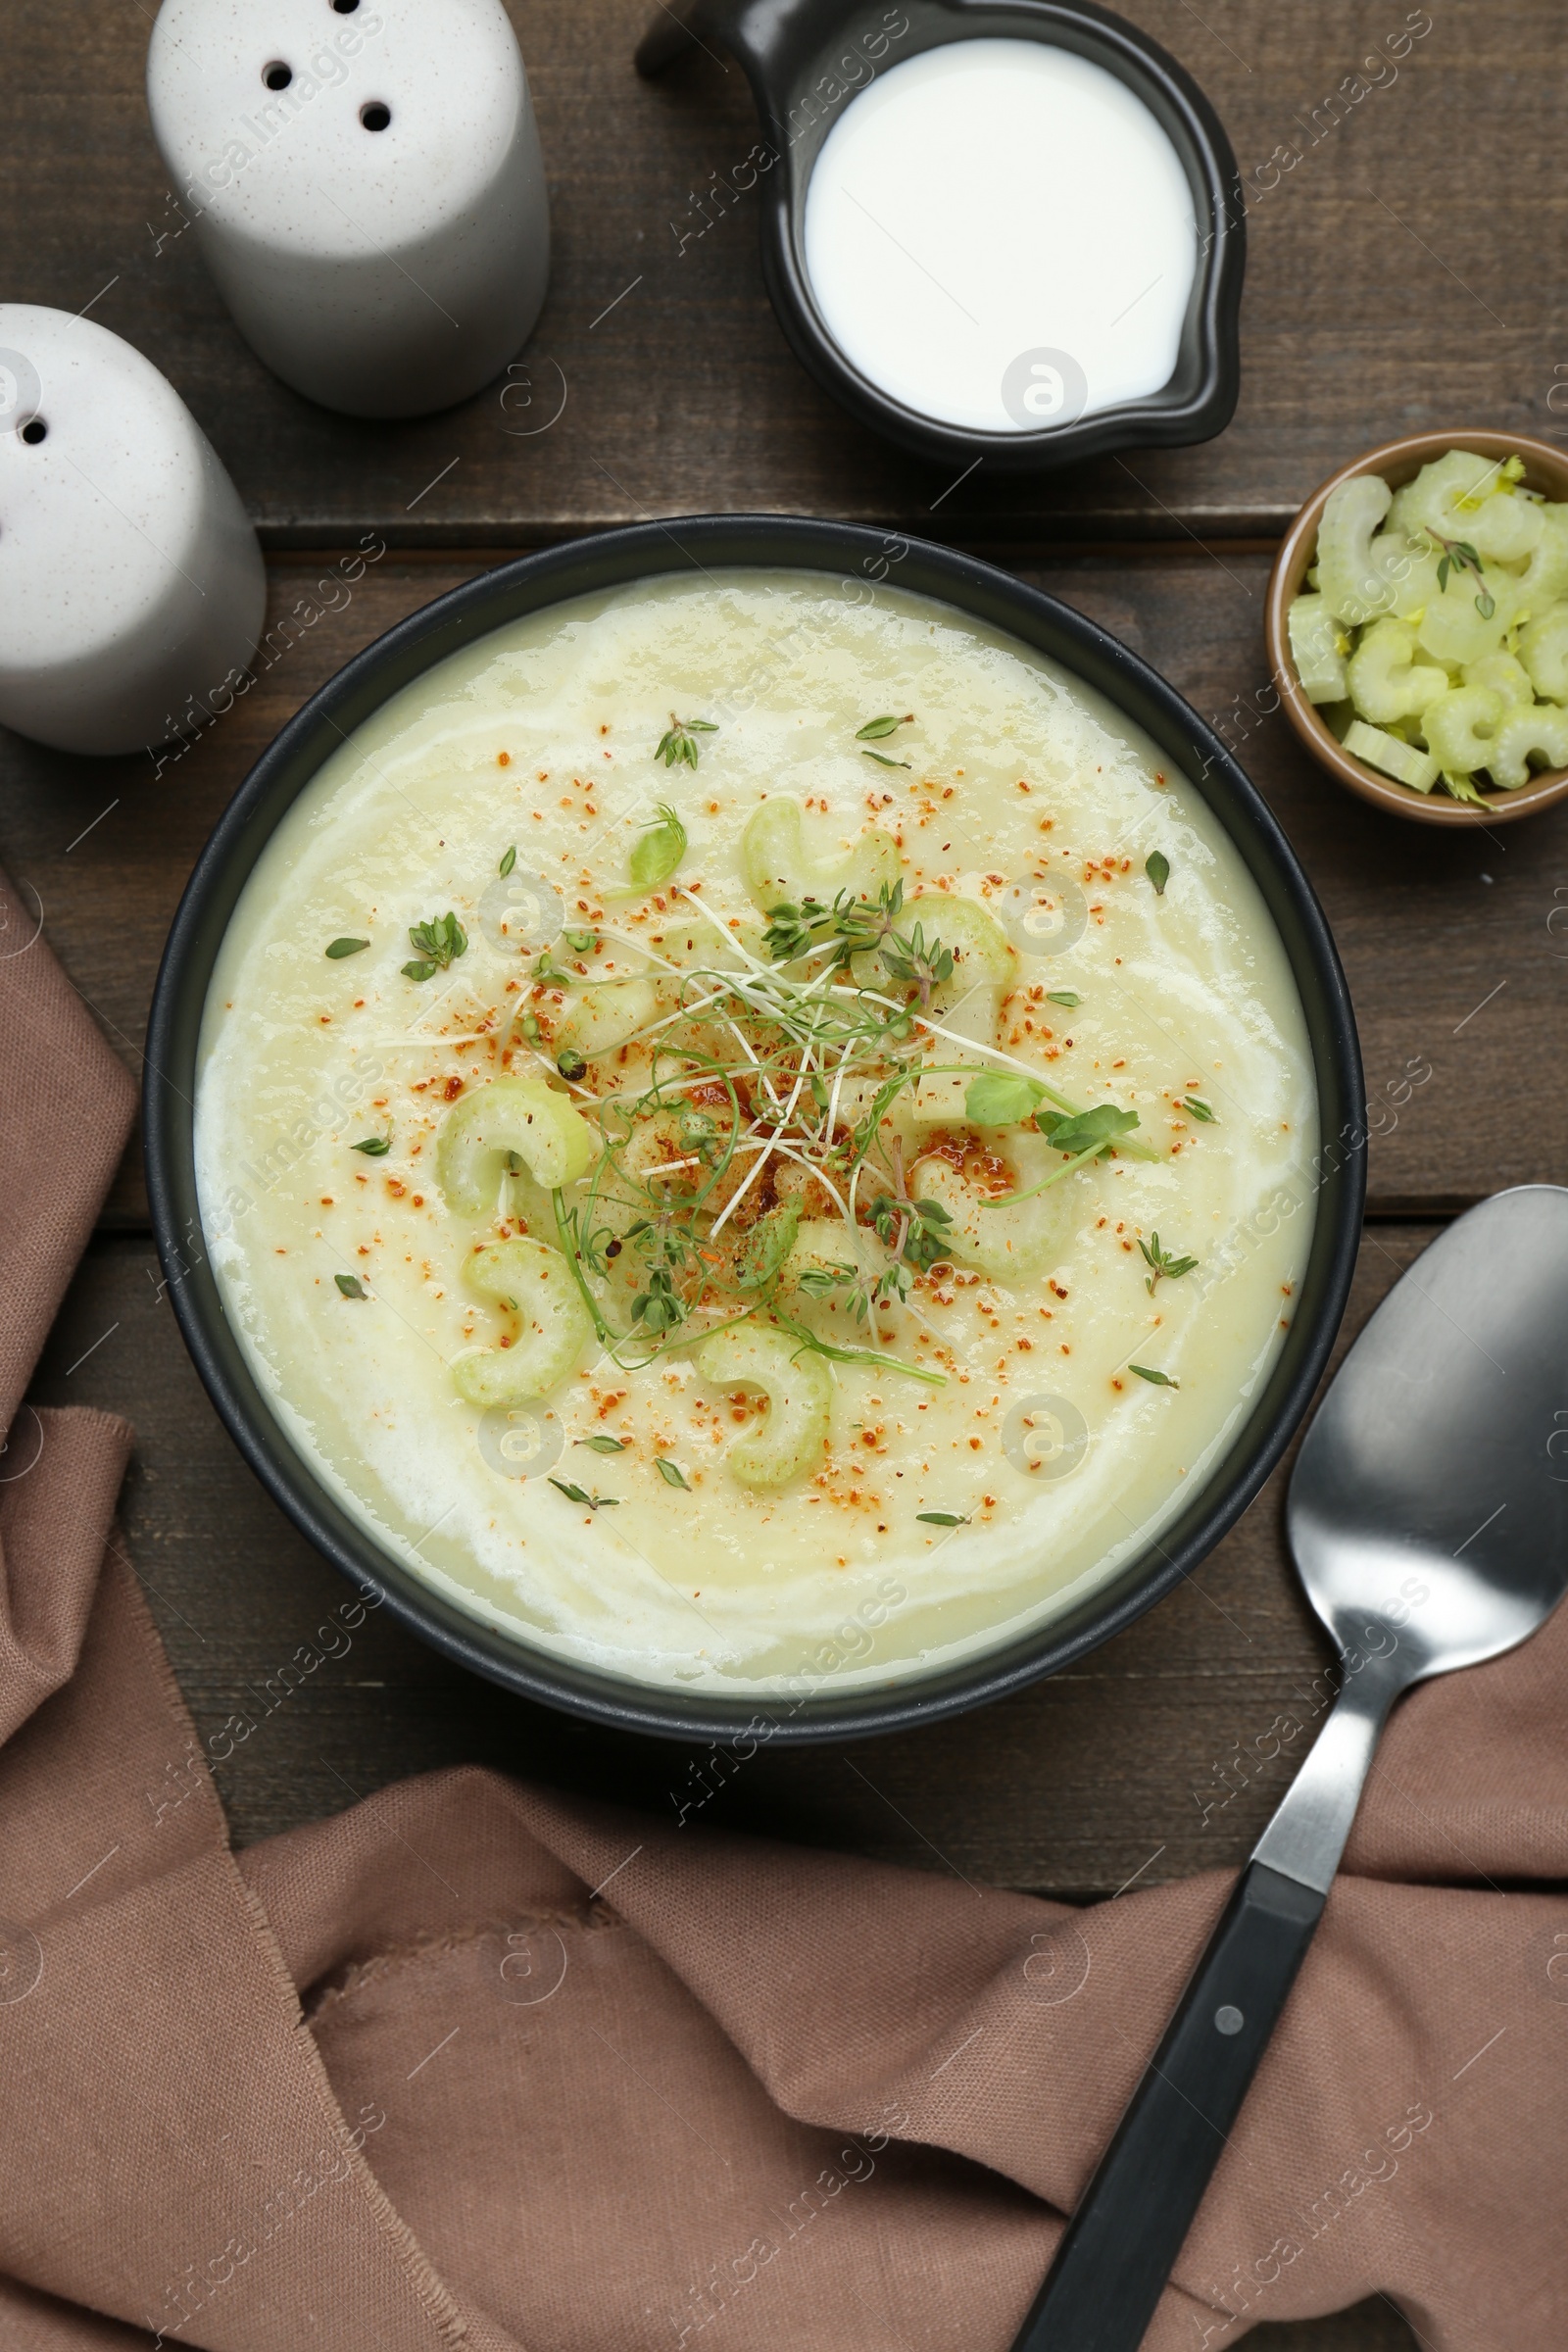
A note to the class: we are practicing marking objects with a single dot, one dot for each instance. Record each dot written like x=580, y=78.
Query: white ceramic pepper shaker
x=367, y=186
x=131, y=587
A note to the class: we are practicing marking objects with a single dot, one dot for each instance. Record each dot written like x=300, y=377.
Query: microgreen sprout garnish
x=1063, y=996
x=670, y=1472
x=882, y=759
x=339, y=948
x=1097, y=1129
x=375, y=1147
x=439, y=944
x=1460, y=556
x=1160, y=1380
x=1197, y=1108
x=581, y=942
x=759, y=1095
x=602, y=1442
x=1156, y=866
x=854, y=927
x=351, y=1286
x=659, y=848
x=875, y=729
x=571, y=1064
x=1085, y=1135
x=944, y=1518
x=591, y=1503
x=1167, y=1268
x=677, y=746
x=1003, y=1098
x=508, y=861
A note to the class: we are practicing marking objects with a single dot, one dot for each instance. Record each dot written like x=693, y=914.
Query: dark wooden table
x=1407, y=272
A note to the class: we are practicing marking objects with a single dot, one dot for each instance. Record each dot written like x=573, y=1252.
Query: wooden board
x=1401, y=260
x=1455, y=948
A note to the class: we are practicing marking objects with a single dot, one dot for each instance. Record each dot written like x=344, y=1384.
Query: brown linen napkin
x=475, y=2065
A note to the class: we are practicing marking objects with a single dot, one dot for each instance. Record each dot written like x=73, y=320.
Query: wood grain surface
x=1375, y=302
x=1404, y=273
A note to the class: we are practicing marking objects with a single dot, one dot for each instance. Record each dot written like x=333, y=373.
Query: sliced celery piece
x=1390, y=756
x=798, y=1388
x=1314, y=633
x=524, y=1115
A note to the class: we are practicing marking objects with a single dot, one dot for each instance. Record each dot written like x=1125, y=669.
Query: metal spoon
x=1428, y=1516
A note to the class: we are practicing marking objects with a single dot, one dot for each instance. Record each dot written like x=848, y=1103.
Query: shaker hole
x=345, y=8
x=278, y=76
x=376, y=116
x=36, y=430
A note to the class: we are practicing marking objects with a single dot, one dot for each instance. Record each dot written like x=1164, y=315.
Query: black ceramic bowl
x=806, y=60
x=859, y=557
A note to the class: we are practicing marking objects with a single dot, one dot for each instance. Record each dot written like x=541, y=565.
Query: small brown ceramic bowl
x=1398, y=461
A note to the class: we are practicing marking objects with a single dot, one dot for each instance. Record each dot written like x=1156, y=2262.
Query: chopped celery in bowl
x=1418, y=626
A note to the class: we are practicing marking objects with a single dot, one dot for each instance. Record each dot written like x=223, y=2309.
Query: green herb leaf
x=1199, y=1110
x=1166, y=1267
x=1156, y=866
x=1001, y=1099
x=1486, y=604
x=581, y=942
x=883, y=760
x=602, y=1442
x=351, y=1286
x=943, y=1518
x=375, y=1147
x=1063, y=996
x=346, y=947
x=1160, y=1380
x=1085, y=1127
x=875, y=728
x=508, y=861
x=916, y=1230
x=1463, y=788
x=660, y=849
x=768, y=1246
x=677, y=746
x=670, y=1472
x=592, y=1503
x=439, y=942
x=818, y=1282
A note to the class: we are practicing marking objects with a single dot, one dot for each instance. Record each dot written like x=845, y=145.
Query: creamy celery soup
x=743, y=1132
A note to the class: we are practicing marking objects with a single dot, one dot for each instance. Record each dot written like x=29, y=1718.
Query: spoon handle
x=1122, y=2242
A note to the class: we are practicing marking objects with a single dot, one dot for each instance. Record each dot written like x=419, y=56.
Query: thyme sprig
x=677, y=746
x=1166, y=1266
x=439, y=942
x=1460, y=556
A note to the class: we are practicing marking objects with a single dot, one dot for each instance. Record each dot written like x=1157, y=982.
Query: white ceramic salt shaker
x=131, y=587
x=367, y=186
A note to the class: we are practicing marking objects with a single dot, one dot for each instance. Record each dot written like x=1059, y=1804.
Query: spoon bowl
x=1440, y=1457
